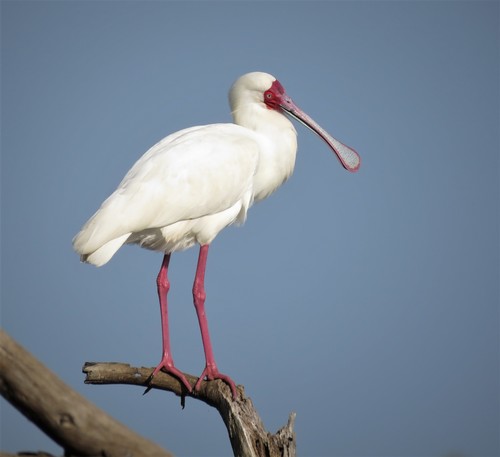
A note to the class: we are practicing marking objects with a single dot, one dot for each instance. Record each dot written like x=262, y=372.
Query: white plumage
x=197, y=181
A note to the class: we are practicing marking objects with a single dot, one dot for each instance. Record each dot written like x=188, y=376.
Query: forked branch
x=83, y=429
x=245, y=428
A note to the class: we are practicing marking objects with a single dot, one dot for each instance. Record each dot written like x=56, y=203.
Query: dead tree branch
x=69, y=419
x=245, y=428
x=83, y=430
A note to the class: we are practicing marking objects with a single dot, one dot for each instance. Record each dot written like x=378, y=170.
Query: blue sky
x=366, y=303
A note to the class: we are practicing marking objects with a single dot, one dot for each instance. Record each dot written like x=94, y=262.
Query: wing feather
x=193, y=173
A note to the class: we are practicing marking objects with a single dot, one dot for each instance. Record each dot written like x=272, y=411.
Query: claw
x=168, y=367
x=211, y=374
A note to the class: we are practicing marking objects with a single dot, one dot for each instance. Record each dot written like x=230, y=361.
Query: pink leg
x=166, y=363
x=210, y=372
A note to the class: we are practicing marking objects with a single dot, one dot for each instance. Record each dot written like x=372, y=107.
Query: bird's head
x=250, y=88
x=263, y=89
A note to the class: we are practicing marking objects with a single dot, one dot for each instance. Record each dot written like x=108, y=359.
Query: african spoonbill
x=195, y=182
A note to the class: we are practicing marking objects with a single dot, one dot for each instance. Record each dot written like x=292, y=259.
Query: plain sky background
x=367, y=303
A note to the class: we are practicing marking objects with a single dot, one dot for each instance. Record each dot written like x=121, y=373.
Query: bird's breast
x=276, y=162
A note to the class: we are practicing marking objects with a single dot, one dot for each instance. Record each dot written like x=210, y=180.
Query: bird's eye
x=269, y=95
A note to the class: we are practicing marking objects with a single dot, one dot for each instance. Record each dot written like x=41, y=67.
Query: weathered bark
x=84, y=430
x=245, y=428
x=69, y=419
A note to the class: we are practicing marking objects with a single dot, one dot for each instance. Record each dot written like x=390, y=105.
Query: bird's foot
x=211, y=372
x=167, y=365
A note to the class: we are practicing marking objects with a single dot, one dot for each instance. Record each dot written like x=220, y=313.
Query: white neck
x=277, y=138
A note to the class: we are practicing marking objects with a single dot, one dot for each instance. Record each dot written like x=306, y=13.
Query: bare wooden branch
x=82, y=429
x=245, y=428
x=69, y=419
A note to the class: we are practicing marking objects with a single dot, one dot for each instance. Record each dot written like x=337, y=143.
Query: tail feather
x=103, y=254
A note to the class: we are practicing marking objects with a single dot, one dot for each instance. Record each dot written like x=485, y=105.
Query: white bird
x=195, y=182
